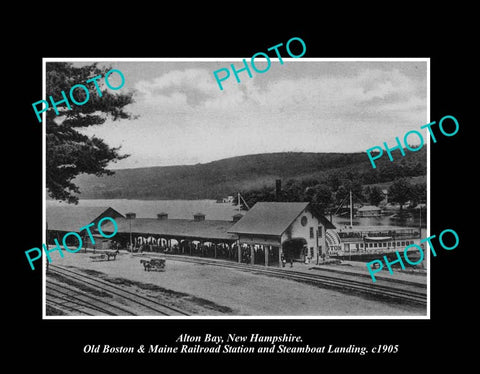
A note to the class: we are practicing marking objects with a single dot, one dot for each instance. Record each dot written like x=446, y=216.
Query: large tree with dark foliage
x=400, y=192
x=68, y=152
x=374, y=195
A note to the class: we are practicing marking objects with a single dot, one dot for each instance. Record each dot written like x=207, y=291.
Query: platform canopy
x=216, y=230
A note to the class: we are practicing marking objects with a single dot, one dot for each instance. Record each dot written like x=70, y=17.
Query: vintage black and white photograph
x=171, y=195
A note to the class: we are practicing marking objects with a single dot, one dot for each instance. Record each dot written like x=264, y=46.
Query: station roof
x=181, y=228
x=72, y=218
x=273, y=218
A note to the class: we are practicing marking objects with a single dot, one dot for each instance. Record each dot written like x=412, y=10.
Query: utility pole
x=46, y=239
x=420, y=224
x=351, y=210
x=130, y=216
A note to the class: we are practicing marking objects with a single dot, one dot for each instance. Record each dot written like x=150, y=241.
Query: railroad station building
x=264, y=235
x=292, y=230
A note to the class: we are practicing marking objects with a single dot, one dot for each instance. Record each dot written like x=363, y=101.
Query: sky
x=302, y=105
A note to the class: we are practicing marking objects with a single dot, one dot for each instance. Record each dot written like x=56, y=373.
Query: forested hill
x=224, y=177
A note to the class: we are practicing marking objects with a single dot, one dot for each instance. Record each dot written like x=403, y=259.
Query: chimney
x=197, y=217
x=162, y=216
x=131, y=215
x=237, y=217
x=278, y=189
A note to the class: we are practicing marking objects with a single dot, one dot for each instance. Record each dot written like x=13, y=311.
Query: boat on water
x=367, y=243
x=364, y=243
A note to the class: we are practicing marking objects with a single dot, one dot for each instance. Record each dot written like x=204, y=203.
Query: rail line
x=100, y=305
x=383, y=288
x=61, y=305
x=66, y=304
x=72, y=295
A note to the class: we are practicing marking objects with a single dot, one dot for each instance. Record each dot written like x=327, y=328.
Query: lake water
x=185, y=209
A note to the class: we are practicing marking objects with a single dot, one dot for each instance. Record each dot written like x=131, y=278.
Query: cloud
x=374, y=91
x=176, y=88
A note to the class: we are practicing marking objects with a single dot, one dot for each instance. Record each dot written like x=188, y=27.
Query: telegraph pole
x=351, y=210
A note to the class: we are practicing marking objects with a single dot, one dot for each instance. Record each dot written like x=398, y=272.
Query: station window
x=361, y=245
x=319, y=231
x=311, y=233
x=403, y=243
x=398, y=244
x=375, y=245
x=384, y=244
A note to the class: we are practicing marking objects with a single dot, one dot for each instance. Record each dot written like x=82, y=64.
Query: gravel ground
x=236, y=293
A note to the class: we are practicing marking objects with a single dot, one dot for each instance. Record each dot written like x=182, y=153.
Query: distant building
x=369, y=211
x=228, y=199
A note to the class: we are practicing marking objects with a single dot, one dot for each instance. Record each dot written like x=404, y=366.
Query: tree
x=356, y=187
x=68, y=152
x=374, y=195
x=292, y=191
x=309, y=193
x=400, y=192
x=341, y=194
x=323, y=197
x=309, y=182
x=333, y=181
x=419, y=193
x=265, y=193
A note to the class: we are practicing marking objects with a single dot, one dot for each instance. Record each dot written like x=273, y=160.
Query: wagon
x=105, y=256
x=153, y=264
x=158, y=263
x=101, y=257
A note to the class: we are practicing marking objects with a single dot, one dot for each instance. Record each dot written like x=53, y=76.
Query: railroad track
x=68, y=307
x=71, y=298
x=405, y=292
x=115, y=300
